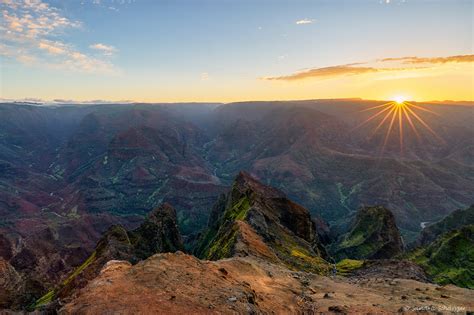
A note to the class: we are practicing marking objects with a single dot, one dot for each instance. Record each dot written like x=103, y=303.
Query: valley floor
x=176, y=283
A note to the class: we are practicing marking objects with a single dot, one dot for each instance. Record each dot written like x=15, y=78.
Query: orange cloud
x=417, y=60
x=325, y=72
x=364, y=67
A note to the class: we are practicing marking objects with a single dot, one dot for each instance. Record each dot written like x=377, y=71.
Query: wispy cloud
x=33, y=33
x=54, y=48
x=404, y=64
x=433, y=60
x=304, y=21
x=105, y=49
x=204, y=76
x=40, y=101
x=324, y=72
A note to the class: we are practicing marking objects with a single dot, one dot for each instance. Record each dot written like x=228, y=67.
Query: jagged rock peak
x=161, y=213
x=159, y=233
x=373, y=235
x=244, y=182
x=258, y=220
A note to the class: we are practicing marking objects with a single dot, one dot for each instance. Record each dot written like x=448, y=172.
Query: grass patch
x=347, y=266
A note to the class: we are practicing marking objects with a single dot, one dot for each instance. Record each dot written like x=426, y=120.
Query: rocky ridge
x=257, y=220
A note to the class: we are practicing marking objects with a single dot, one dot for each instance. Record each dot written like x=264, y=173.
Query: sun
x=401, y=111
x=399, y=99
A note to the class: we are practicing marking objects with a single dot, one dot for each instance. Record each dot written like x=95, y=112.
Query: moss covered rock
x=258, y=220
x=454, y=220
x=373, y=234
x=449, y=258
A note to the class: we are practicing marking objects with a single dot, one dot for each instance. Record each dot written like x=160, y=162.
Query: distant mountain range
x=124, y=159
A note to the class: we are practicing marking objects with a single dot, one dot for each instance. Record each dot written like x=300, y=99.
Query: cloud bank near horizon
x=407, y=63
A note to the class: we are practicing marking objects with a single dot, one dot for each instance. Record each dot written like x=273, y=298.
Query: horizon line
x=38, y=101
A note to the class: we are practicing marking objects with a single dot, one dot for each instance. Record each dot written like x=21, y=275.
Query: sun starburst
x=399, y=113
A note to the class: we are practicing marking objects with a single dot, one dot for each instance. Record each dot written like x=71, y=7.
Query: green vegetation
x=51, y=295
x=454, y=220
x=218, y=241
x=239, y=210
x=44, y=300
x=347, y=266
x=344, y=198
x=450, y=258
x=294, y=252
x=373, y=234
x=80, y=269
x=295, y=255
x=222, y=246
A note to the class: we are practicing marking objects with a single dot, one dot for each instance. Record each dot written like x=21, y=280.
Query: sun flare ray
x=382, y=121
x=402, y=111
x=410, y=122
x=424, y=123
x=423, y=109
x=378, y=106
x=389, y=130
x=372, y=117
x=400, y=126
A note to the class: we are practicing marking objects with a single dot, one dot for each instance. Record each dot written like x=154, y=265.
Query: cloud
x=432, y=60
x=324, y=72
x=304, y=21
x=26, y=59
x=204, y=76
x=40, y=101
x=54, y=48
x=105, y=49
x=33, y=34
x=369, y=67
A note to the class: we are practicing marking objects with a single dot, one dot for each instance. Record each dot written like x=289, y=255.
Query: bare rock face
x=372, y=235
x=11, y=285
x=158, y=234
x=258, y=220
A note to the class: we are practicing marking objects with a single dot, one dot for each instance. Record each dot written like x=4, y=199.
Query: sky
x=225, y=51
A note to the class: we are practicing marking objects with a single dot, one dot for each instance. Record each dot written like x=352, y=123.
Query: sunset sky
x=223, y=51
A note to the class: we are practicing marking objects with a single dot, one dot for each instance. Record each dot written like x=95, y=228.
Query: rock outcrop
x=454, y=220
x=258, y=220
x=175, y=283
x=449, y=259
x=373, y=235
x=11, y=285
x=157, y=234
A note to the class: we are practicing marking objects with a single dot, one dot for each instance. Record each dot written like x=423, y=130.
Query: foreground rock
x=258, y=220
x=389, y=269
x=182, y=284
